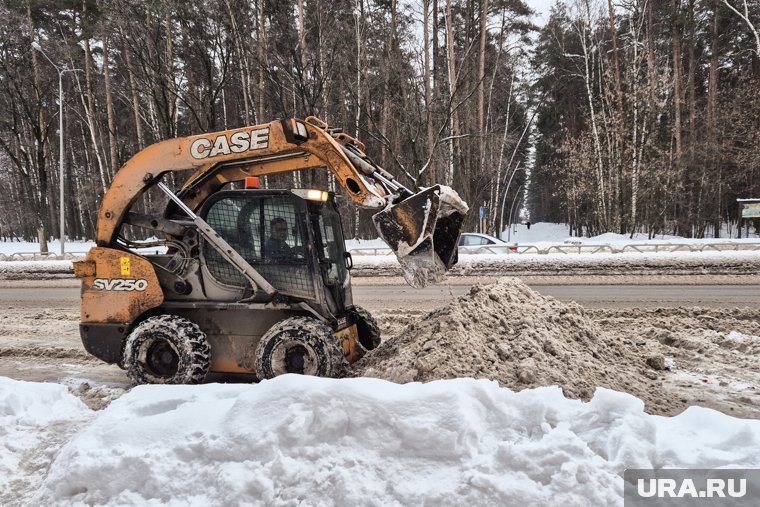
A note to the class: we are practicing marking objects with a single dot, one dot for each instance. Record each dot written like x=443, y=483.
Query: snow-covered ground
x=307, y=441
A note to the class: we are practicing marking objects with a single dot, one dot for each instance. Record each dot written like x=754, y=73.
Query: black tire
x=300, y=345
x=166, y=349
x=366, y=325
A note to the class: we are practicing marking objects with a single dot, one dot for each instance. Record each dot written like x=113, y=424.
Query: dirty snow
x=365, y=441
x=512, y=334
x=509, y=333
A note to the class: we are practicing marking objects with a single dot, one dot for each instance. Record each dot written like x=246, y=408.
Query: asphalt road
x=376, y=297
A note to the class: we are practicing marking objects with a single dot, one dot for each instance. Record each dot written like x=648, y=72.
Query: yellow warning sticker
x=125, y=268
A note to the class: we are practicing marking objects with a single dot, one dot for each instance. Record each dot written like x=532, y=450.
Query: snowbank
x=558, y=233
x=365, y=441
x=634, y=263
x=31, y=417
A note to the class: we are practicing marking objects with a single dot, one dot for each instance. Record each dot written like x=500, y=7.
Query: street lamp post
x=61, y=71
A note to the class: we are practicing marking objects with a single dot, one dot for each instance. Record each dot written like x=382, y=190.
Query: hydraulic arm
x=422, y=228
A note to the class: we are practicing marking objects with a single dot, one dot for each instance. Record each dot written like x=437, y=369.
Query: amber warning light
x=252, y=182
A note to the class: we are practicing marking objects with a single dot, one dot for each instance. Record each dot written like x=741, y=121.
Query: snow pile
x=510, y=333
x=32, y=418
x=736, y=336
x=298, y=439
x=747, y=344
x=22, y=270
x=543, y=232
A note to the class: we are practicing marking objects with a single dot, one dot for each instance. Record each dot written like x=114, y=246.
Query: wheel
x=299, y=345
x=366, y=325
x=166, y=349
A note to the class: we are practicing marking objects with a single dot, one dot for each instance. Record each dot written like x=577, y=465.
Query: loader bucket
x=423, y=232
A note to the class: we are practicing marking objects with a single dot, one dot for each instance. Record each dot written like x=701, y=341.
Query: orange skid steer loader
x=249, y=280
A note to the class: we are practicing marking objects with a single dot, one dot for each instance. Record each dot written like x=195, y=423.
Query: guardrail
x=586, y=248
x=371, y=251
x=487, y=249
x=38, y=256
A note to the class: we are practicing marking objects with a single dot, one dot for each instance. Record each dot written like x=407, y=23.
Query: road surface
x=379, y=297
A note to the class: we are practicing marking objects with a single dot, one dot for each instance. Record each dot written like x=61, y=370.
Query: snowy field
x=307, y=441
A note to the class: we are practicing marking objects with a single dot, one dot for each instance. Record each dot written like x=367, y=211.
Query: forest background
x=626, y=116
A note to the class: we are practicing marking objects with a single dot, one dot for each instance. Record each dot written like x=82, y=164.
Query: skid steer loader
x=249, y=280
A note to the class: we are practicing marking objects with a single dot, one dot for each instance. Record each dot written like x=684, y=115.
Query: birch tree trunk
x=495, y=195
x=171, y=83
x=137, y=117
x=245, y=72
x=302, y=35
x=358, y=18
x=712, y=98
x=583, y=28
x=712, y=87
x=744, y=15
x=39, y=195
x=615, y=62
x=113, y=148
x=691, y=78
x=453, y=113
x=481, y=82
x=261, y=45
x=638, y=129
x=430, y=139
x=88, y=101
x=496, y=223
x=677, y=87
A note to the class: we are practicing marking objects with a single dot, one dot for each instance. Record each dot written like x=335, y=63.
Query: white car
x=475, y=243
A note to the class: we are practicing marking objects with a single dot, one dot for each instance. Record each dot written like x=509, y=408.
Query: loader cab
x=292, y=238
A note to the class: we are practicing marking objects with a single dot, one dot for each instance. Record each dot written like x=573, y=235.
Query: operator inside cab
x=276, y=245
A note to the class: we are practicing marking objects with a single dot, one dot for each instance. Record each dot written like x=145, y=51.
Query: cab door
x=331, y=256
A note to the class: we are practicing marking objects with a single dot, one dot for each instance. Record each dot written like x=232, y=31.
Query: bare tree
x=744, y=15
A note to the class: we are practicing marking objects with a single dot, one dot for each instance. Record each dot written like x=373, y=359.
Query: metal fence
x=37, y=256
x=586, y=248
x=487, y=249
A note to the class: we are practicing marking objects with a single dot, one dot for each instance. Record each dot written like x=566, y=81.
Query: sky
x=542, y=8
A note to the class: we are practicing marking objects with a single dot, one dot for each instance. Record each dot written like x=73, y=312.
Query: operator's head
x=279, y=228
